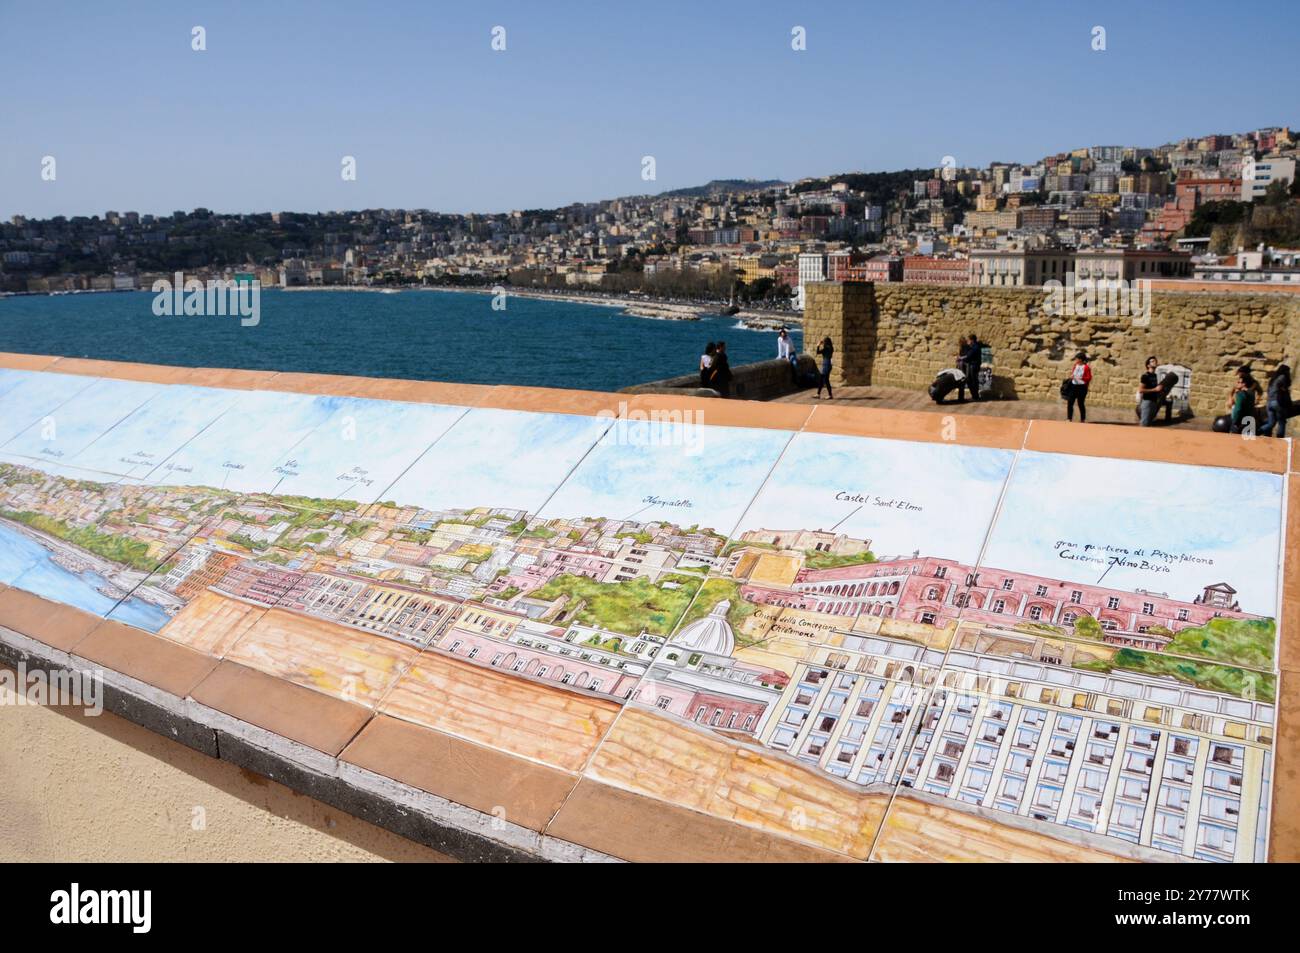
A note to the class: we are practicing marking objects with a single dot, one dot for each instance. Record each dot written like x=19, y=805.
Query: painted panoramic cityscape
x=880, y=633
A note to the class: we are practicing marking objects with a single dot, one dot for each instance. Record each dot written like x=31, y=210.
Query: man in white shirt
x=785, y=351
x=784, y=345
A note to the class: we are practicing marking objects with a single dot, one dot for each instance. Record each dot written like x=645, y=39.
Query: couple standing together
x=715, y=368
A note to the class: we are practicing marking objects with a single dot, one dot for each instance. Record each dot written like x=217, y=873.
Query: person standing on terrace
x=706, y=363
x=1076, y=390
x=785, y=351
x=1150, y=394
x=1278, y=404
x=826, y=350
x=974, y=358
x=721, y=376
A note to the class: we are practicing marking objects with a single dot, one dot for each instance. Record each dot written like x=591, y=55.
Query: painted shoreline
x=120, y=576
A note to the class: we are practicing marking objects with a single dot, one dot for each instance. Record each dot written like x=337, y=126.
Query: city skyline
x=225, y=131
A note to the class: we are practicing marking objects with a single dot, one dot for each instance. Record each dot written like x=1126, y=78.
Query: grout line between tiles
x=90, y=382
x=582, y=773
x=929, y=694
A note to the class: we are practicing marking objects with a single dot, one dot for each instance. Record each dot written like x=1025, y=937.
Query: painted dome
x=712, y=634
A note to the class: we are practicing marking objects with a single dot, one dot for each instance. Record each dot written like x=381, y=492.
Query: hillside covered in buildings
x=1221, y=206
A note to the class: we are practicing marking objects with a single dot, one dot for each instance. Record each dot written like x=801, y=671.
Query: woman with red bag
x=1075, y=388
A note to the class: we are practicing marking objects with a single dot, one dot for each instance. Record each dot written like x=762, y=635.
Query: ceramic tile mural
x=27, y=409
x=135, y=446
x=878, y=648
x=240, y=449
x=1178, y=559
x=499, y=464
x=361, y=448
x=67, y=431
x=1119, y=751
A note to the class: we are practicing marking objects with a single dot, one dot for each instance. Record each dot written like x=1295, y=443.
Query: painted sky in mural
x=904, y=497
x=1138, y=525
x=683, y=473
x=506, y=459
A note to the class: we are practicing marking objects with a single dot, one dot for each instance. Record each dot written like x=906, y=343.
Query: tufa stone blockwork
x=902, y=335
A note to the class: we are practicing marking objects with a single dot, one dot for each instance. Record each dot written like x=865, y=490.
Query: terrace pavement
x=899, y=398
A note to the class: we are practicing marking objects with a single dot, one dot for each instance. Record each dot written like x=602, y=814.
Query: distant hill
x=880, y=187
x=721, y=187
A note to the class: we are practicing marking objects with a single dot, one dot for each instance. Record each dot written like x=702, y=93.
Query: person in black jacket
x=1150, y=394
x=825, y=350
x=1278, y=402
x=974, y=357
x=721, y=378
x=963, y=351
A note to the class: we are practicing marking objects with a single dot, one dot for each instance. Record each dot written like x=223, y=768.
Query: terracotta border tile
x=1192, y=448
x=53, y=623
x=121, y=370
x=378, y=388
x=145, y=656
x=230, y=378
x=1288, y=651
x=1289, y=643
x=26, y=362
x=292, y=711
x=482, y=778
x=972, y=430
x=1284, y=820
x=549, y=400
x=720, y=412
x=640, y=828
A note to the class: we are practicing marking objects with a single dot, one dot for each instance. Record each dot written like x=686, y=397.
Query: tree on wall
x=1088, y=627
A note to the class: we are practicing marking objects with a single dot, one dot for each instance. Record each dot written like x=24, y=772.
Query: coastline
x=637, y=305
x=76, y=560
x=640, y=306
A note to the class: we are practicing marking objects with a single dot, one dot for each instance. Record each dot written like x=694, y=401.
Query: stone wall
x=902, y=335
x=762, y=380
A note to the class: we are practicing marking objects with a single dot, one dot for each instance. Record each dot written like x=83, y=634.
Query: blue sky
x=435, y=118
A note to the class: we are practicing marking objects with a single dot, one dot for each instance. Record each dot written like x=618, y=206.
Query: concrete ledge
x=614, y=821
x=525, y=792
x=300, y=714
x=456, y=830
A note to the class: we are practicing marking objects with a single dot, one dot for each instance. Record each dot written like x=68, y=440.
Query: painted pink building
x=703, y=707
x=936, y=591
